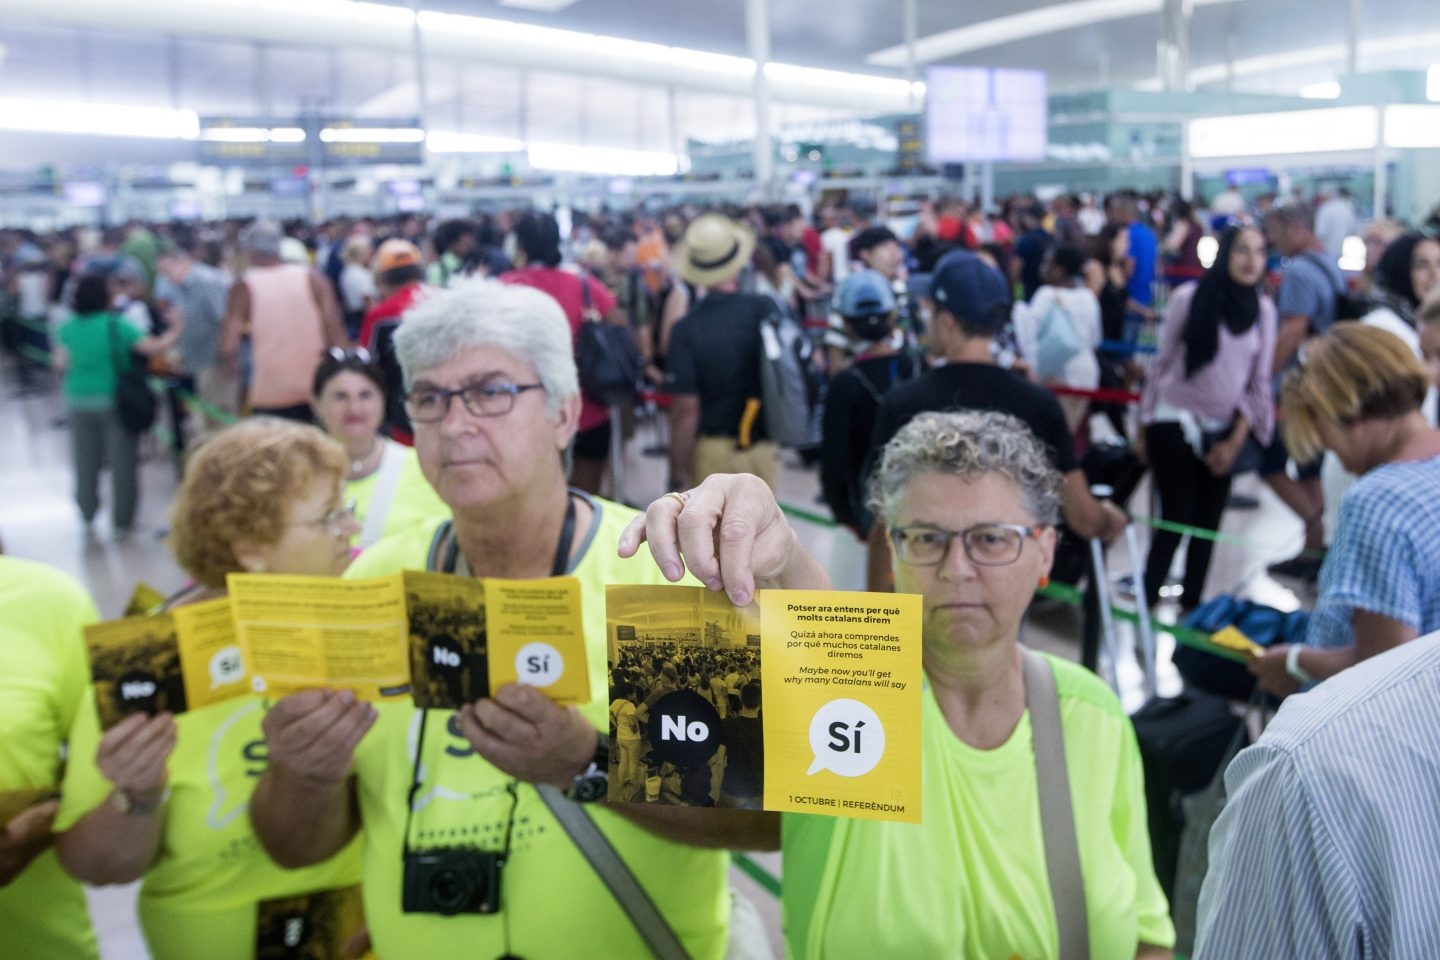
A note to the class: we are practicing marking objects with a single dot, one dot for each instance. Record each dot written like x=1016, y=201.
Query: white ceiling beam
x=352, y=24
x=1039, y=22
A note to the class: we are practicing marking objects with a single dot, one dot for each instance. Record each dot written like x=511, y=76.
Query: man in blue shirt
x=1310, y=285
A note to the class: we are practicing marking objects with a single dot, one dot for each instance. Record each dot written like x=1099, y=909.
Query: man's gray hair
x=1300, y=215
x=261, y=237
x=968, y=444
x=524, y=322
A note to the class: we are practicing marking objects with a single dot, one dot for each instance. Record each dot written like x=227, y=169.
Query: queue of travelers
x=432, y=418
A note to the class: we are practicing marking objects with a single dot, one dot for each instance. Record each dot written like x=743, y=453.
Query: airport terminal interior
x=1108, y=330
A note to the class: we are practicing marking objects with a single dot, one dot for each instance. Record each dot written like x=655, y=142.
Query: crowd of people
x=358, y=398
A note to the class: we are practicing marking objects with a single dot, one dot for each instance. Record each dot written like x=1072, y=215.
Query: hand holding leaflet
x=528, y=736
x=134, y=755
x=313, y=734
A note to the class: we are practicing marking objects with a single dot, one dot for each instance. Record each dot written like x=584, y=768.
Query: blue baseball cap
x=971, y=290
x=864, y=293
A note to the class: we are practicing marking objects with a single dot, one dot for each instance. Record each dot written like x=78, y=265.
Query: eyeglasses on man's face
x=986, y=544
x=493, y=398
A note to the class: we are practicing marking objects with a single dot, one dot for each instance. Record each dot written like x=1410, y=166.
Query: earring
x=258, y=566
x=1044, y=582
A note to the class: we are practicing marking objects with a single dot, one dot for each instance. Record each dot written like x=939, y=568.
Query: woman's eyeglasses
x=493, y=399
x=986, y=544
x=334, y=519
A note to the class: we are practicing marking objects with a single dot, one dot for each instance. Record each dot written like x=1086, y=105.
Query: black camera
x=451, y=880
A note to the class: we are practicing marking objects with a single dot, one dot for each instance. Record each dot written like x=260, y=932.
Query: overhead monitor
x=977, y=114
x=85, y=193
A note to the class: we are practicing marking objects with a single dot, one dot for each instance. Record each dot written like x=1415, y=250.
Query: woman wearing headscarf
x=1409, y=270
x=1208, y=391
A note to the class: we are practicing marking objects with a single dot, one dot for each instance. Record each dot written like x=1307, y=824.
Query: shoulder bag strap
x=116, y=359
x=387, y=481
x=1057, y=819
x=614, y=873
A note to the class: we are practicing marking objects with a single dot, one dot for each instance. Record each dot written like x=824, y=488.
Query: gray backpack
x=784, y=379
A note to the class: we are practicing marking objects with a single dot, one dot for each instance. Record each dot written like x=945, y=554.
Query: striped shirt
x=1385, y=558
x=1329, y=846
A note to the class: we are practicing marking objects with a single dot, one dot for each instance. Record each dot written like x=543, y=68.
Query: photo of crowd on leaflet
x=136, y=668
x=686, y=723
x=449, y=666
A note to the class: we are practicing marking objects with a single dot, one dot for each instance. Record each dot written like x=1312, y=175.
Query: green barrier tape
x=39, y=356
x=807, y=516
x=210, y=410
x=1203, y=534
x=759, y=874
x=1185, y=636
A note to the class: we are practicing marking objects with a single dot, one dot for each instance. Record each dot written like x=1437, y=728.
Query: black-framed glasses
x=986, y=544
x=334, y=519
x=492, y=399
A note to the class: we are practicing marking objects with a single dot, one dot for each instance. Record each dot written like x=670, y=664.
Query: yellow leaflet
x=302, y=632
x=836, y=729
x=144, y=600
x=135, y=667
x=449, y=662
x=842, y=674
x=211, y=662
x=1232, y=639
x=537, y=636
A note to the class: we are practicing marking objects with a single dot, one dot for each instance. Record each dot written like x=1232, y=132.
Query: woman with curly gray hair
x=969, y=500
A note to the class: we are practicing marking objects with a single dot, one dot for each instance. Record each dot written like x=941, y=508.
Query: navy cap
x=970, y=289
x=864, y=293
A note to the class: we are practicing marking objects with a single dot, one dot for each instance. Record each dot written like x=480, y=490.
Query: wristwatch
x=1292, y=665
x=593, y=783
x=128, y=805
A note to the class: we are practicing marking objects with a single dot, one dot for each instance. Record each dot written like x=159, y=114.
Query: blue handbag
x=1264, y=625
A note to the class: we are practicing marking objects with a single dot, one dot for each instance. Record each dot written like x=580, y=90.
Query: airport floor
x=39, y=520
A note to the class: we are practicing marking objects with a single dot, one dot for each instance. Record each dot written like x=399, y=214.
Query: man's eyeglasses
x=986, y=544
x=334, y=519
x=493, y=399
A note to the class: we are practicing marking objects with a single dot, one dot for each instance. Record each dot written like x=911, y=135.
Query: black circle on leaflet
x=675, y=728
x=139, y=690
x=446, y=655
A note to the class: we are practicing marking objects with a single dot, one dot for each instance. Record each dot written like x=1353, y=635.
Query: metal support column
x=417, y=51
x=912, y=71
x=1352, y=37
x=1174, y=46
x=757, y=31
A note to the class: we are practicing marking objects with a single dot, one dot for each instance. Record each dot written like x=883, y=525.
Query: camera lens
x=450, y=891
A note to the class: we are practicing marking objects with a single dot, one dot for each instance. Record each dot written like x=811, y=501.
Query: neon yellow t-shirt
x=971, y=880
x=414, y=501
x=43, y=675
x=199, y=897
x=552, y=902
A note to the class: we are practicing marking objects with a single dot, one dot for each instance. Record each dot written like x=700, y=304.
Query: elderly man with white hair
x=492, y=390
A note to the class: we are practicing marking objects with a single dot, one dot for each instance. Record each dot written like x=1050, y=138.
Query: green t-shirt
x=553, y=903
x=199, y=897
x=971, y=880
x=43, y=675
x=414, y=501
x=90, y=379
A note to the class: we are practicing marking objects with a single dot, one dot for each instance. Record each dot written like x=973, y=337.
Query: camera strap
x=445, y=557
x=605, y=860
